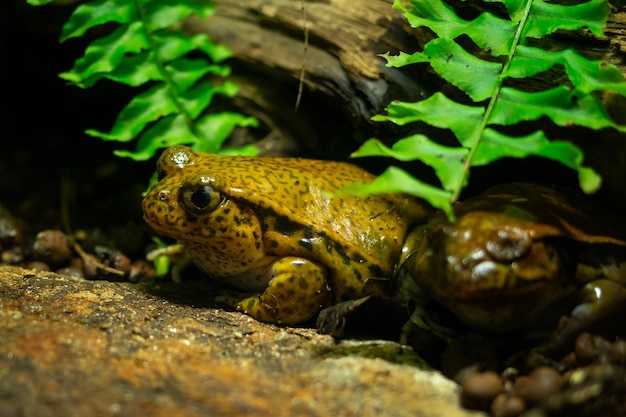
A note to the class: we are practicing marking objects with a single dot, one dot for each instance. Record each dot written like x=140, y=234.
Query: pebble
x=113, y=258
x=479, y=390
x=591, y=348
x=507, y=405
x=51, y=247
x=539, y=385
x=71, y=271
x=141, y=270
x=38, y=266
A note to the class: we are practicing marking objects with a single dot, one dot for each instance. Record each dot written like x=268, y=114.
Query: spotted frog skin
x=519, y=255
x=268, y=226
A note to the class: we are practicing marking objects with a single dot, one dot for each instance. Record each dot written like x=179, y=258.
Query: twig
x=306, y=45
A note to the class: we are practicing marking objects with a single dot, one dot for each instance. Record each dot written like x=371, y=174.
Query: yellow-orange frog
x=269, y=227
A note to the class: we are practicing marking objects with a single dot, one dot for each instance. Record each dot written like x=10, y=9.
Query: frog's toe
x=296, y=292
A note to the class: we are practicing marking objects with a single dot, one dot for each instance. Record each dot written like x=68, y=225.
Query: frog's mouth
x=497, y=294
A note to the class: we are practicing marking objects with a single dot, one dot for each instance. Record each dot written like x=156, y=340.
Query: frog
x=278, y=231
x=521, y=256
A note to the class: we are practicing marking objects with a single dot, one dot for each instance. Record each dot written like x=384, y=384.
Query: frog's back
x=294, y=198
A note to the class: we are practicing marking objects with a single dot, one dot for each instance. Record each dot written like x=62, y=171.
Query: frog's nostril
x=509, y=245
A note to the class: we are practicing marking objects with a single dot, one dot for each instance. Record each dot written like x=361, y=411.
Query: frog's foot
x=297, y=291
x=603, y=301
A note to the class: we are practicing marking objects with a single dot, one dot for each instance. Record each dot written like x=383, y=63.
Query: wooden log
x=345, y=82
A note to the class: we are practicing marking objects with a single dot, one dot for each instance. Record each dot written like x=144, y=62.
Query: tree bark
x=344, y=81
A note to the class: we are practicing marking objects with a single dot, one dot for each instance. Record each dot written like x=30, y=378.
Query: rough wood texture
x=345, y=81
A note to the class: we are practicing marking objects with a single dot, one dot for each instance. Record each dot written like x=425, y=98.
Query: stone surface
x=73, y=347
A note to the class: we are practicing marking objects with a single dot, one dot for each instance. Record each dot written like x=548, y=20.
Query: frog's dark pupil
x=201, y=198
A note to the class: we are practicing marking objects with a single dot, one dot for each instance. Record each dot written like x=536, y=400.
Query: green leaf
x=142, y=110
x=216, y=127
x=168, y=131
x=245, y=150
x=165, y=13
x=517, y=9
x=197, y=98
x=495, y=145
x=564, y=107
x=546, y=18
x=403, y=59
x=95, y=13
x=588, y=76
x=396, y=180
x=488, y=31
x=38, y=2
x=439, y=111
x=447, y=162
x=476, y=77
x=186, y=72
x=133, y=70
x=105, y=54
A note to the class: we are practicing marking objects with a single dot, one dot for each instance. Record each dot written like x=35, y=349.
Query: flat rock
x=74, y=347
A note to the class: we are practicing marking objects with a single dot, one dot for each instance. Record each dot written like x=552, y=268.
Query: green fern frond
x=145, y=49
x=492, y=103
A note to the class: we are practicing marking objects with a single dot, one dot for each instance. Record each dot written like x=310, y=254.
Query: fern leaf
x=546, y=18
x=452, y=62
x=493, y=103
x=173, y=131
x=586, y=75
x=442, y=19
x=447, y=162
x=436, y=111
x=142, y=110
x=495, y=145
x=98, y=12
x=396, y=180
x=144, y=49
x=105, y=54
x=563, y=106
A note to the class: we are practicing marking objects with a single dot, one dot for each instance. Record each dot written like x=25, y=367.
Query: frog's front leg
x=297, y=290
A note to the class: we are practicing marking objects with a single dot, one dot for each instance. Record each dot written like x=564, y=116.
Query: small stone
x=38, y=266
x=12, y=256
x=479, y=390
x=542, y=383
x=586, y=348
x=113, y=258
x=71, y=271
x=506, y=405
x=10, y=230
x=52, y=248
x=141, y=270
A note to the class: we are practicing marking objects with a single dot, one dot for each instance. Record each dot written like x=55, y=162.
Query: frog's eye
x=201, y=200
